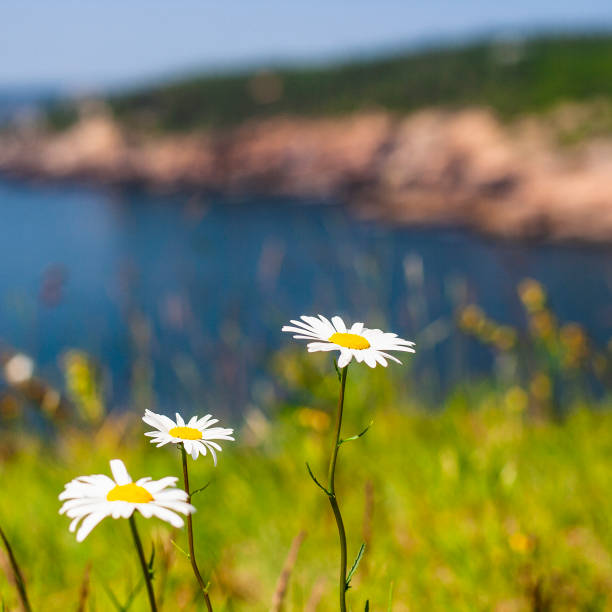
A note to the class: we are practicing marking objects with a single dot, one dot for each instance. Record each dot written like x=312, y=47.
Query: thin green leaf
x=201, y=488
x=112, y=596
x=130, y=599
x=390, y=597
x=151, y=562
x=367, y=608
x=17, y=575
x=355, y=566
x=132, y=595
x=357, y=436
x=338, y=372
x=317, y=482
x=179, y=549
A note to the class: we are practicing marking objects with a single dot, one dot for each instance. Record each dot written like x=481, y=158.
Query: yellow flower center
x=352, y=341
x=186, y=433
x=130, y=493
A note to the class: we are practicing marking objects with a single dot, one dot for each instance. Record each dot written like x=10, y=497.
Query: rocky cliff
x=434, y=167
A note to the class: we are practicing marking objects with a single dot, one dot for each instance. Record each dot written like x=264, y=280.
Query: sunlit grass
x=495, y=499
x=477, y=507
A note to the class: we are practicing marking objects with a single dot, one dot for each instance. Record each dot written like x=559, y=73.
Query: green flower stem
x=332, y=492
x=143, y=563
x=192, y=558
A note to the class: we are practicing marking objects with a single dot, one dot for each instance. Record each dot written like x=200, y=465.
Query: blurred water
x=194, y=290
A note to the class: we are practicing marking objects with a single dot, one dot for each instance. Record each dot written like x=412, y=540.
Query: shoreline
x=461, y=169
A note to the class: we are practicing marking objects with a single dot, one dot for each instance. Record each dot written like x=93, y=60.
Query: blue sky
x=96, y=43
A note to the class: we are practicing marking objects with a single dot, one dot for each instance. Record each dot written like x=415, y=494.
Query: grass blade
x=17, y=575
x=285, y=575
x=84, y=590
x=355, y=566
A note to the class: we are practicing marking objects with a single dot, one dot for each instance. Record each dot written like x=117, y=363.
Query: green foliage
x=475, y=508
x=60, y=116
x=512, y=77
x=556, y=364
x=498, y=499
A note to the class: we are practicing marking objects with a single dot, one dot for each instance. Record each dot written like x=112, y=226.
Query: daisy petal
x=389, y=356
x=120, y=473
x=344, y=359
x=339, y=324
x=167, y=515
x=88, y=524
x=321, y=346
x=369, y=358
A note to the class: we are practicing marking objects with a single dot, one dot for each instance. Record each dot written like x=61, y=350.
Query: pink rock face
x=434, y=167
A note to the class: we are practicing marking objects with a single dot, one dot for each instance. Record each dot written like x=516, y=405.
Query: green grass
x=512, y=78
x=475, y=506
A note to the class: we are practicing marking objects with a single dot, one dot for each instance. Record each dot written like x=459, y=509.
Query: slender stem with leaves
x=192, y=558
x=146, y=568
x=330, y=491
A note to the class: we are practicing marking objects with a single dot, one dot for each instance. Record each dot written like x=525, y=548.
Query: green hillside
x=511, y=77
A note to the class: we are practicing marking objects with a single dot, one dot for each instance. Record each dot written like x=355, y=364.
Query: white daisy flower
x=196, y=436
x=369, y=345
x=95, y=497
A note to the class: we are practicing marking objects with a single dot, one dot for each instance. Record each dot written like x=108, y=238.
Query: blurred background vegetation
x=496, y=498
x=512, y=75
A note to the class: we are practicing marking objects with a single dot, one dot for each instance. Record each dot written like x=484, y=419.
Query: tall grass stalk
x=18, y=576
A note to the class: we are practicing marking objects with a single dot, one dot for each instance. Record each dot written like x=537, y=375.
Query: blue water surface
x=193, y=290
